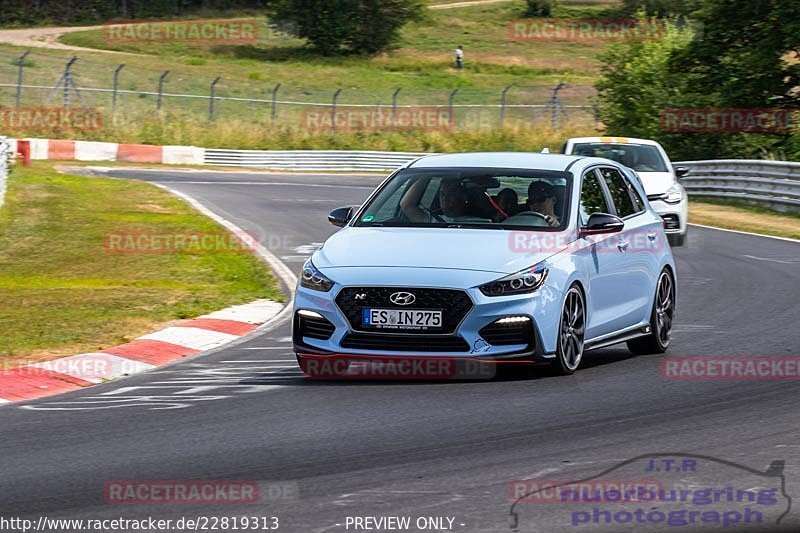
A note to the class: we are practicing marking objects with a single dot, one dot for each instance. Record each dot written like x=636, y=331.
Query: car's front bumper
x=541, y=308
x=676, y=216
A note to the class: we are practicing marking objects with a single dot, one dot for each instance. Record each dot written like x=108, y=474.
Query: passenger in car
x=506, y=203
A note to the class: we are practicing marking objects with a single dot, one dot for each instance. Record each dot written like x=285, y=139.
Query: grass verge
x=63, y=291
x=248, y=136
x=743, y=217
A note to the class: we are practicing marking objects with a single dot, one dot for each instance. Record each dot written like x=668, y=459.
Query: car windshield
x=484, y=198
x=639, y=157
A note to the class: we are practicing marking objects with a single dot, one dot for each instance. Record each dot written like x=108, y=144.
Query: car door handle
x=652, y=236
x=623, y=246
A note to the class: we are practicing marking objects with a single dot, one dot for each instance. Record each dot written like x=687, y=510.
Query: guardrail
x=5, y=156
x=313, y=160
x=774, y=184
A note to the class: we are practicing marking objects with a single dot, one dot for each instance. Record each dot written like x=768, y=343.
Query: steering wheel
x=531, y=214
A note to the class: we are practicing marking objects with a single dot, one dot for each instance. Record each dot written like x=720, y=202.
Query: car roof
x=613, y=140
x=526, y=160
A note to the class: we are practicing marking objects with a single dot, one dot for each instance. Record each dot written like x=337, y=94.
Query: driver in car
x=542, y=199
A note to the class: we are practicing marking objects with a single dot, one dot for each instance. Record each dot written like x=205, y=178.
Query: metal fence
x=40, y=79
x=774, y=184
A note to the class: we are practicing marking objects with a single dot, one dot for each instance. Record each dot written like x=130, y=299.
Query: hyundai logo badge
x=402, y=298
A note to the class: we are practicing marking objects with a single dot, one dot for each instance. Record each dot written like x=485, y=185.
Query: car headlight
x=527, y=280
x=314, y=279
x=674, y=194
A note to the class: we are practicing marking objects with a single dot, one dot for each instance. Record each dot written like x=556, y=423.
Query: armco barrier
x=341, y=160
x=774, y=184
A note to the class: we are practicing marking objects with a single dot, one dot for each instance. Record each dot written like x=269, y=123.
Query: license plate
x=401, y=318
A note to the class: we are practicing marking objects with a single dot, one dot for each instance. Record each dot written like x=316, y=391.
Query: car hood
x=656, y=182
x=485, y=250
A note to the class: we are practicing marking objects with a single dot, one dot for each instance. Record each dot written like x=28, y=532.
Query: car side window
x=619, y=190
x=593, y=200
x=638, y=203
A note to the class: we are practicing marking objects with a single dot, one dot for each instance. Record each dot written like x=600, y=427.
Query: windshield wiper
x=474, y=226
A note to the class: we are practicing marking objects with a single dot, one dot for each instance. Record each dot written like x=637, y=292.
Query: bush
x=540, y=8
x=658, y=8
x=345, y=26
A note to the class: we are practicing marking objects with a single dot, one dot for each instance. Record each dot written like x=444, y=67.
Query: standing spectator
x=459, y=57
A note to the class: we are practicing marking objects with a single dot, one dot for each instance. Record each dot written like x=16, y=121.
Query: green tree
x=637, y=86
x=742, y=54
x=737, y=54
x=345, y=26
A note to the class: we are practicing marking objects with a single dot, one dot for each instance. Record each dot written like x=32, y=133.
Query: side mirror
x=340, y=216
x=600, y=223
x=545, y=150
x=681, y=171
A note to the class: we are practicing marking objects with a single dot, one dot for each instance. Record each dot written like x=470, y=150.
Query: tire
x=571, y=333
x=661, y=318
x=676, y=239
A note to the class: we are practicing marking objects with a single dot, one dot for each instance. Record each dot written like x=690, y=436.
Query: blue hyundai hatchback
x=491, y=257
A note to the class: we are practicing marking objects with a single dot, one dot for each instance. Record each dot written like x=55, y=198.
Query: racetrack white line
x=787, y=239
x=768, y=259
x=218, y=182
x=269, y=348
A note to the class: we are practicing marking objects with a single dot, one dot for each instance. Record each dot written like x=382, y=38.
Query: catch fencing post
x=21, y=65
x=333, y=112
x=116, y=88
x=503, y=105
x=211, y=99
x=394, y=106
x=451, y=106
x=161, y=89
x=68, y=82
x=274, y=111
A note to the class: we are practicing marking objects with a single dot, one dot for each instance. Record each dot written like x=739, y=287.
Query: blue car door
x=632, y=261
x=601, y=265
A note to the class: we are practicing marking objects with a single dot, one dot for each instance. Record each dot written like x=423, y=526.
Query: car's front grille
x=313, y=327
x=454, y=304
x=405, y=343
x=506, y=334
x=671, y=222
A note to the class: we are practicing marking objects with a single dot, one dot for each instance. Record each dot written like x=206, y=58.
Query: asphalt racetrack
x=422, y=449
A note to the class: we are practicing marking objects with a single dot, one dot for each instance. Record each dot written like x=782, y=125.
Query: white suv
x=660, y=179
